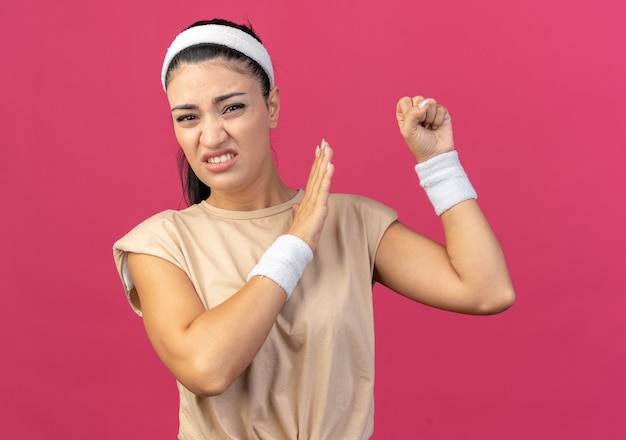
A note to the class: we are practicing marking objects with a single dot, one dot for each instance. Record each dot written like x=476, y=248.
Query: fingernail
x=317, y=151
x=423, y=104
x=328, y=166
x=323, y=144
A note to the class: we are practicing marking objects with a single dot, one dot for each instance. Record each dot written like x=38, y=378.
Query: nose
x=213, y=133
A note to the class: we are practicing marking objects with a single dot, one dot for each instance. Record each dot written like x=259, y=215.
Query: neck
x=260, y=196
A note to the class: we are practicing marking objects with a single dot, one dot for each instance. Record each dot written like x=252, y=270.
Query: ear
x=273, y=106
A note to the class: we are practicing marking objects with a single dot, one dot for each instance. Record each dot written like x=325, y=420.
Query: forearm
x=222, y=341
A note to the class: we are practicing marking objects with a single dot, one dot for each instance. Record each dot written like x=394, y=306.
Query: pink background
x=536, y=89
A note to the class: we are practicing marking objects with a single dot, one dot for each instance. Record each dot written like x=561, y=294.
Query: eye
x=234, y=107
x=185, y=118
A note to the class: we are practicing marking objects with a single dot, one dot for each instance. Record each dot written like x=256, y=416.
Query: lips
x=220, y=161
x=218, y=157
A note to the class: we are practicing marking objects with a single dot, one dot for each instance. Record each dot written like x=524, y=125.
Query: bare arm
x=469, y=274
x=204, y=349
x=207, y=349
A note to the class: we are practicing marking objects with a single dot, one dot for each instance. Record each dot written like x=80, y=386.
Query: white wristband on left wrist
x=445, y=181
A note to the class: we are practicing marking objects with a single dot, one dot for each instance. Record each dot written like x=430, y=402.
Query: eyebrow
x=216, y=100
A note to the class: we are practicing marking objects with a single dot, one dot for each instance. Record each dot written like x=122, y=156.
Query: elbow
x=494, y=301
x=205, y=380
x=207, y=388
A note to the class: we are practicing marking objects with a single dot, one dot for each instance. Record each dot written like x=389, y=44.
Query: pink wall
x=536, y=89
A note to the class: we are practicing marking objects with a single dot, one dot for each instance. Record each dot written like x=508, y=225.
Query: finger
x=320, y=167
x=326, y=170
x=440, y=117
x=419, y=109
x=404, y=105
x=431, y=111
x=409, y=114
x=418, y=101
x=325, y=164
x=319, y=158
x=329, y=171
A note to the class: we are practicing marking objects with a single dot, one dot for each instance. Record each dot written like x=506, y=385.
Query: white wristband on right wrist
x=284, y=262
x=445, y=181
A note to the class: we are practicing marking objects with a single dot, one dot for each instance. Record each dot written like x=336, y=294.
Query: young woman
x=258, y=297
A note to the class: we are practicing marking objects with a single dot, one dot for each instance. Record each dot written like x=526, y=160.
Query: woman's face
x=222, y=122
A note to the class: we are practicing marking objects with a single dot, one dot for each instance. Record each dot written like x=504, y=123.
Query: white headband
x=224, y=36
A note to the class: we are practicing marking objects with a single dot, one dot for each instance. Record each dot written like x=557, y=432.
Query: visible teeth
x=220, y=159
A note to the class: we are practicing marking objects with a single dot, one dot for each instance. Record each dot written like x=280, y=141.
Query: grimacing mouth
x=220, y=159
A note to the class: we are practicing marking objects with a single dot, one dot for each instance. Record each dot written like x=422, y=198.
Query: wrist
x=445, y=181
x=426, y=156
x=284, y=262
